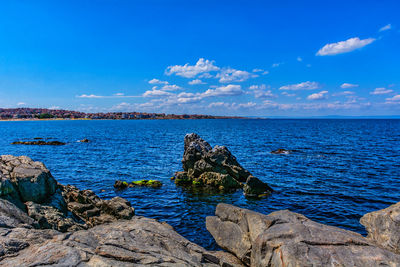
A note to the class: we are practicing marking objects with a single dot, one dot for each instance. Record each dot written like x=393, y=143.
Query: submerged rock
x=216, y=168
x=84, y=140
x=285, y=238
x=281, y=151
x=383, y=227
x=39, y=143
x=120, y=185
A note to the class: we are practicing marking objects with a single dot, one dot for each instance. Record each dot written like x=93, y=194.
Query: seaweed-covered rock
x=215, y=168
x=147, y=183
x=120, y=185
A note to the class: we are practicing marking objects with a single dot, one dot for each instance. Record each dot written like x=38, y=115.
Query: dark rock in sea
x=38, y=138
x=39, y=143
x=216, y=168
x=84, y=141
x=281, y=151
x=383, y=227
x=285, y=238
x=120, y=185
x=255, y=188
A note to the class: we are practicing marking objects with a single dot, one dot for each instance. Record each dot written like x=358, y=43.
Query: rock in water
x=39, y=143
x=281, y=151
x=383, y=226
x=216, y=168
x=285, y=238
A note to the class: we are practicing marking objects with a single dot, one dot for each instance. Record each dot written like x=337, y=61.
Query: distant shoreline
x=145, y=119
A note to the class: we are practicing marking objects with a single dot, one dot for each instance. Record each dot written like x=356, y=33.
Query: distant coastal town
x=43, y=113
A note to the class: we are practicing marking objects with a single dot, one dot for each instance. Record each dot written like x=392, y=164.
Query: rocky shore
x=44, y=223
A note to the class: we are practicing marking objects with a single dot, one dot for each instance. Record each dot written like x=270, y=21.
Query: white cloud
x=54, y=107
x=395, y=98
x=90, y=96
x=348, y=85
x=260, y=91
x=317, y=96
x=119, y=94
x=245, y=105
x=299, y=59
x=381, y=91
x=275, y=65
x=258, y=70
x=344, y=46
x=156, y=93
x=122, y=106
x=228, y=75
x=190, y=71
x=21, y=103
x=265, y=72
x=171, y=87
x=196, y=81
x=218, y=104
x=386, y=27
x=287, y=94
x=228, y=90
x=301, y=86
x=157, y=81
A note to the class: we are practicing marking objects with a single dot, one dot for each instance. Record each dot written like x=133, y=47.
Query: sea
x=339, y=169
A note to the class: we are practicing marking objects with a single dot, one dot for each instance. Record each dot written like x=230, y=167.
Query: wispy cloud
x=229, y=75
x=318, y=96
x=301, y=86
x=344, y=93
x=196, y=81
x=299, y=59
x=190, y=71
x=156, y=93
x=385, y=28
x=21, y=103
x=157, y=81
x=344, y=46
x=381, y=91
x=348, y=85
x=275, y=65
x=117, y=95
x=395, y=98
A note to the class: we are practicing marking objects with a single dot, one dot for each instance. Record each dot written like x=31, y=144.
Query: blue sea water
x=340, y=169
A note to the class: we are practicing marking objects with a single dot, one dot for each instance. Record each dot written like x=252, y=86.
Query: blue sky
x=255, y=58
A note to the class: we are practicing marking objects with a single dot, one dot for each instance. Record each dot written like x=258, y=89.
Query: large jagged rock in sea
x=285, y=238
x=383, y=226
x=217, y=168
x=57, y=225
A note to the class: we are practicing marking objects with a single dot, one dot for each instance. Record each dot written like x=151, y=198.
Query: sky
x=246, y=58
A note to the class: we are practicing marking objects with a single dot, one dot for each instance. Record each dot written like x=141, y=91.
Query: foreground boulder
x=383, y=226
x=215, y=168
x=136, y=242
x=30, y=186
x=285, y=238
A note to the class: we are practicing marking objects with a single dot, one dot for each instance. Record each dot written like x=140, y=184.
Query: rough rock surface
x=383, y=226
x=214, y=167
x=31, y=187
x=137, y=242
x=39, y=143
x=285, y=238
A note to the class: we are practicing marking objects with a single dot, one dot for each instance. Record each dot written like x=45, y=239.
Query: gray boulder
x=383, y=226
x=285, y=238
x=215, y=168
x=136, y=242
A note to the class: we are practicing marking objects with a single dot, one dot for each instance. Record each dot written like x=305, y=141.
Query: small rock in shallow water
x=281, y=151
x=120, y=185
x=84, y=141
